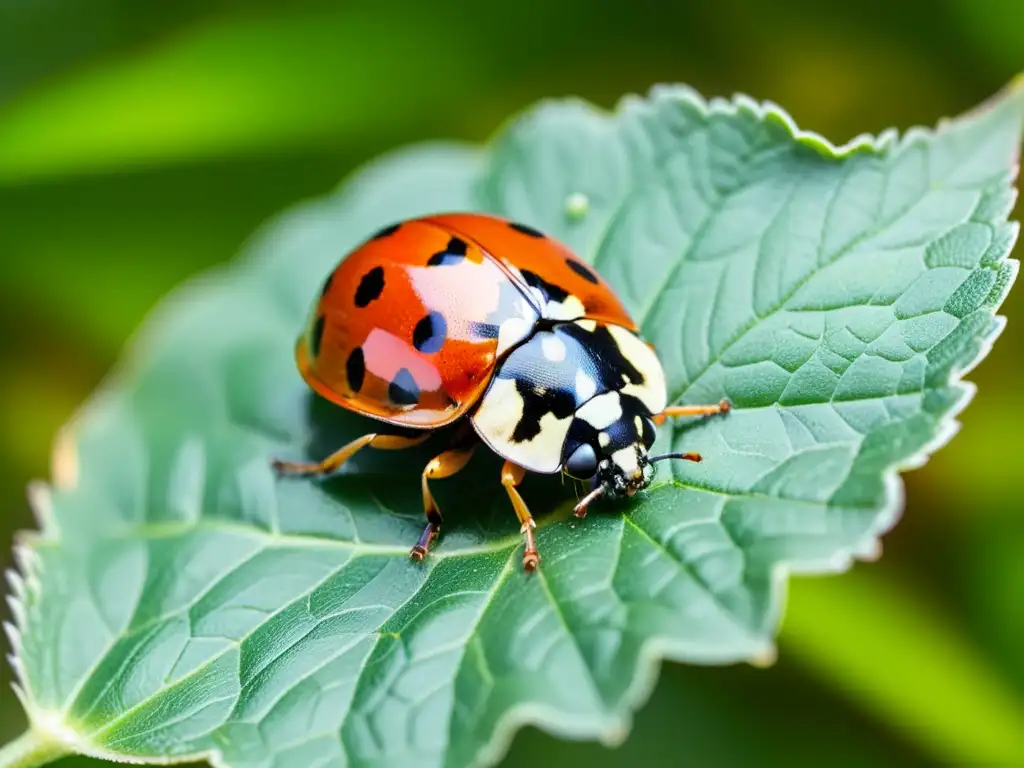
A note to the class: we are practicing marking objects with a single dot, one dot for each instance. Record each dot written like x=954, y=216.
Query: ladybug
x=487, y=324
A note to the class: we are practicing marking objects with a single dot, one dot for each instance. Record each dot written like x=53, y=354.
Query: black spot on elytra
x=403, y=390
x=525, y=229
x=327, y=284
x=453, y=253
x=550, y=291
x=582, y=270
x=370, y=287
x=355, y=369
x=389, y=230
x=316, y=336
x=429, y=334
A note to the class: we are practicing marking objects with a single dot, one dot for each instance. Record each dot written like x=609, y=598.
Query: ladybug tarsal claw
x=580, y=510
x=422, y=546
x=530, y=556
x=511, y=474
x=282, y=468
x=443, y=465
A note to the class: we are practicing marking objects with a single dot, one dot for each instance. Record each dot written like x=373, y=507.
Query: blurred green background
x=142, y=142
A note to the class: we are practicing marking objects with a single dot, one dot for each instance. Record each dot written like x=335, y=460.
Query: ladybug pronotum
x=474, y=319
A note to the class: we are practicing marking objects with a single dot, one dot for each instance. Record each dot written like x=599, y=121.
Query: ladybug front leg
x=692, y=410
x=511, y=476
x=443, y=465
x=346, y=452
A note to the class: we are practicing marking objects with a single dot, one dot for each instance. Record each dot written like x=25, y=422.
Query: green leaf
x=180, y=602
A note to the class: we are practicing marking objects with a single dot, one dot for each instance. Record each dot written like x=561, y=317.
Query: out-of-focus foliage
x=93, y=232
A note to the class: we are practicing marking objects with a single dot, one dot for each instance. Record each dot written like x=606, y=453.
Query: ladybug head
x=607, y=446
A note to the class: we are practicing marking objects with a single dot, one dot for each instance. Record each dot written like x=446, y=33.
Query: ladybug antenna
x=681, y=456
x=580, y=510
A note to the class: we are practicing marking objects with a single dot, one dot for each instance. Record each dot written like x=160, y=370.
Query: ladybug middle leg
x=346, y=452
x=443, y=465
x=511, y=476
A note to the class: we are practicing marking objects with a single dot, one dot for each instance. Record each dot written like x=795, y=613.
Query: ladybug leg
x=346, y=452
x=692, y=410
x=511, y=476
x=442, y=465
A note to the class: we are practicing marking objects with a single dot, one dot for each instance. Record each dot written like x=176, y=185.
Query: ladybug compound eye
x=582, y=464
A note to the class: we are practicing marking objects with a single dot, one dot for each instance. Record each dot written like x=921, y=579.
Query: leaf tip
x=1005, y=105
x=1013, y=94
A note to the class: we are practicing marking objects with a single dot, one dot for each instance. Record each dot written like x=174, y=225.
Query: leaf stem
x=31, y=750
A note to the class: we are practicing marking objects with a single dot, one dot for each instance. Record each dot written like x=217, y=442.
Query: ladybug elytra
x=475, y=319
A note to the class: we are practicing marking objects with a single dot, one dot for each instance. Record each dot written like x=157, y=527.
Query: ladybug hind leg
x=511, y=476
x=443, y=465
x=346, y=452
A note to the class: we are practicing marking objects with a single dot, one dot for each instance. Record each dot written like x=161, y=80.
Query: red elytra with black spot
x=407, y=328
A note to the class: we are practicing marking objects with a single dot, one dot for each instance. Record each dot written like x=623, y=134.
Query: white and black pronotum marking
x=572, y=385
